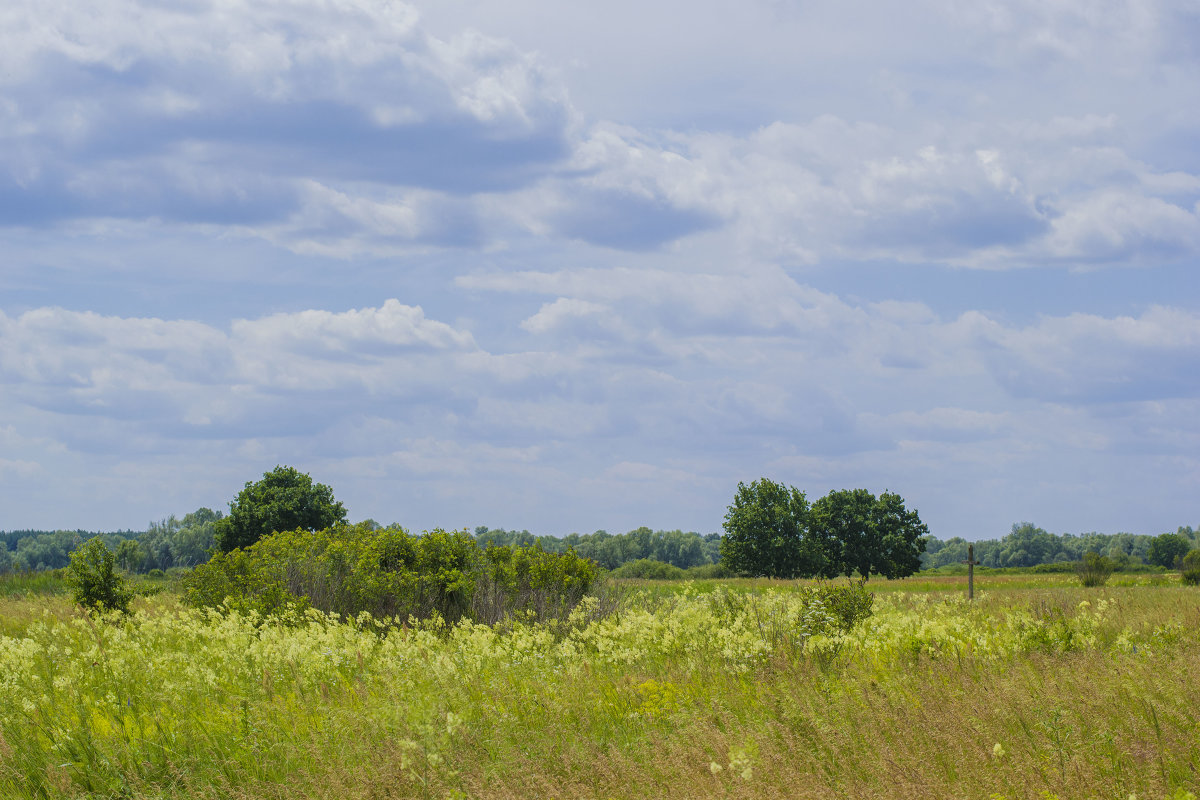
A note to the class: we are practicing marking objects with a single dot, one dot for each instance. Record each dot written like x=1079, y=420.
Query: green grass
x=23, y=584
x=1006, y=581
x=708, y=689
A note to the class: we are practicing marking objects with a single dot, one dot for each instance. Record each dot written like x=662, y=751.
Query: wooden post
x=971, y=562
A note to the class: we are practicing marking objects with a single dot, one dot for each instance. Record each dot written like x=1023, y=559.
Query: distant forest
x=1028, y=546
x=185, y=542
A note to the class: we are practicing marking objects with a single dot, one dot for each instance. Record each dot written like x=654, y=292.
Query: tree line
x=171, y=542
x=35, y=550
x=1027, y=545
x=677, y=548
x=771, y=530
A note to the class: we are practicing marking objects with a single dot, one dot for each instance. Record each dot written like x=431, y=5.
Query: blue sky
x=569, y=266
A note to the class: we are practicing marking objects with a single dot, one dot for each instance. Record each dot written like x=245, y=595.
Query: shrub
x=709, y=571
x=848, y=604
x=93, y=577
x=1095, y=569
x=1056, y=567
x=1191, y=568
x=528, y=580
x=389, y=573
x=649, y=569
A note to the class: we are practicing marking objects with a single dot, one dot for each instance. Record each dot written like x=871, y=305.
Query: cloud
x=807, y=367
x=346, y=128
x=568, y=314
x=207, y=114
x=1029, y=194
x=1115, y=225
x=642, y=474
x=349, y=335
x=182, y=378
x=1084, y=358
x=818, y=391
x=738, y=246
x=626, y=220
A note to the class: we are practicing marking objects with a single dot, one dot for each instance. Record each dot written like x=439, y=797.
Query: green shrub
x=1191, y=568
x=1095, y=569
x=93, y=577
x=703, y=572
x=1056, y=567
x=649, y=569
x=390, y=573
x=156, y=574
x=849, y=605
x=528, y=580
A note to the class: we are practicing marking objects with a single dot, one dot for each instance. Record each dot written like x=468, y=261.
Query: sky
x=577, y=266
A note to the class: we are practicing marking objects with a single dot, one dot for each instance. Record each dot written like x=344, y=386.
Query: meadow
x=741, y=688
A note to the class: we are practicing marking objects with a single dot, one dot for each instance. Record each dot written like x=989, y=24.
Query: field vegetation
x=716, y=688
x=329, y=660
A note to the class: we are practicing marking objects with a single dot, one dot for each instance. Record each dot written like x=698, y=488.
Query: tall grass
x=21, y=584
x=1051, y=690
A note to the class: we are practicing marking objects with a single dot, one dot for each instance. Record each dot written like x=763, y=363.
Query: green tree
x=284, y=500
x=93, y=577
x=869, y=535
x=195, y=537
x=767, y=533
x=1026, y=546
x=130, y=555
x=1168, y=549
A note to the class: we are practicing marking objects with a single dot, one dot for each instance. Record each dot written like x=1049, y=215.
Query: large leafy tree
x=284, y=500
x=1168, y=549
x=869, y=535
x=767, y=533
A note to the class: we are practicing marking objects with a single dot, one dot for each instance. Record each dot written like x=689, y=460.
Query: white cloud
x=1031, y=194
x=345, y=129
x=817, y=396
x=194, y=379
x=391, y=328
x=603, y=293
x=1085, y=358
x=562, y=313
x=1114, y=225
x=264, y=115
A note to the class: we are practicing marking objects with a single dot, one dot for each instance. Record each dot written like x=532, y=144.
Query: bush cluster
x=709, y=572
x=1191, y=568
x=649, y=569
x=1095, y=569
x=849, y=605
x=391, y=573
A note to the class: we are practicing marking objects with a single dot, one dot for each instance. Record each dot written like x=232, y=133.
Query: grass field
x=715, y=689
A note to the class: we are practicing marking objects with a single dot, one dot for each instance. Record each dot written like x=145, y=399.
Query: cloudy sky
x=569, y=266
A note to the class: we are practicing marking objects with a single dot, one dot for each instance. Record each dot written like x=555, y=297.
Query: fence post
x=971, y=562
